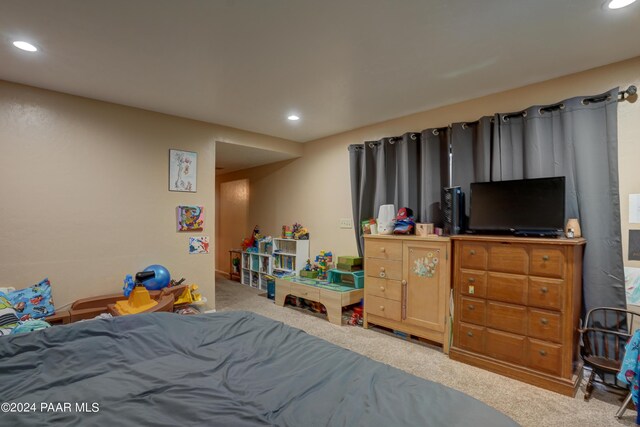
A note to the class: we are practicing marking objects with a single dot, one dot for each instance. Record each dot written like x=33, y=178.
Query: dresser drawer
x=306, y=292
x=509, y=259
x=473, y=283
x=507, y=317
x=546, y=293
x=384, y=269
x=505, y=346
x=545, y=357
x=473, y=256
x=384, y=288
x=383, y=307
x=548, y=262
x=507, y=287
x=383, y=249
x=545, y=325
x=471, y=337
x=472, y=310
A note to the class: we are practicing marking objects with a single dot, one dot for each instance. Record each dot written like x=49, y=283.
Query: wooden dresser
x=517, y=308
x=407, y=285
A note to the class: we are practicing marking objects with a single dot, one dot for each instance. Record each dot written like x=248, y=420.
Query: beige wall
x=315, y=189
x=84, y=197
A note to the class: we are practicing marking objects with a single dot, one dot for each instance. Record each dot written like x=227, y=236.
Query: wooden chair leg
x=623, y=407
x=589, y=389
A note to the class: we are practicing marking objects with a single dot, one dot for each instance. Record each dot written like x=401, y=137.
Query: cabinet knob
x=542, y=353
x=545, y=257
x=544, y=321
x=544, y=290
x=470, y=333
x=382, y=308
x=472, y=252
x=382, y=288
x=403, y=282
x=472, y=307
x=472, y=280
x=382, y=249
x=381, y=268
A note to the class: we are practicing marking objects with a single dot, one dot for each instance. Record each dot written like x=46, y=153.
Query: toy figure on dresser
x=404, y=222
x=324, y=263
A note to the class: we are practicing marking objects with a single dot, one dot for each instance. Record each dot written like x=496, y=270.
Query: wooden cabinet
x=517, y=308
x=407, y=285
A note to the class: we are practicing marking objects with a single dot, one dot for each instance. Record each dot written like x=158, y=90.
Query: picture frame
x=189, y=218
x=183, y=171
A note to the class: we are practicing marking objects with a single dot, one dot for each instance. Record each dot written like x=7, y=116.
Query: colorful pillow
x=33, y=302
x=8, y=317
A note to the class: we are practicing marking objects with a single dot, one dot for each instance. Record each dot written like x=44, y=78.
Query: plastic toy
x=323, y=262
x=139, y=298
x=159, y=280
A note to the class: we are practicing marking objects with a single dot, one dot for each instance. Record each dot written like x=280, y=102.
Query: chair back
x=605, y=333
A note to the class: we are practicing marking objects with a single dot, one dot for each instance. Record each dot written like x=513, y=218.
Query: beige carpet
x=526, y=404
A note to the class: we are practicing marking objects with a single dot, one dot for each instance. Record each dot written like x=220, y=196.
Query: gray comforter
x=227, y=369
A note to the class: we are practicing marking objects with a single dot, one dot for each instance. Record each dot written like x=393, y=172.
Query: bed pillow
x=33, y=302
x=8, y=317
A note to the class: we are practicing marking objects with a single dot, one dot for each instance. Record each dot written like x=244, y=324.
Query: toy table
x=332, y=295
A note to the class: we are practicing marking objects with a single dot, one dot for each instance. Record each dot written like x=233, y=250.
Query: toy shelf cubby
x=289, y=256
x=280, y=257
x=255, y=266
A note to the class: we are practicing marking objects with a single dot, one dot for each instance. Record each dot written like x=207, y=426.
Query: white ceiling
x=339, y=64
x=231, y=157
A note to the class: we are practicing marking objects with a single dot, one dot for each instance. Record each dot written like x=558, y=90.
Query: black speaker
x=453, y=210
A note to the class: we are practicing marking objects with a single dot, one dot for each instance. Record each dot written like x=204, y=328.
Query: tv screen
x=516, y=206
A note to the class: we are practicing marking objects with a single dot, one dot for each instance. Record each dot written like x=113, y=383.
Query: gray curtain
x=471, y=154
x=404, y=171
x=577, y=139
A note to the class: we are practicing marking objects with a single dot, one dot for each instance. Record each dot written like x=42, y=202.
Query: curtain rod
x=623, y=95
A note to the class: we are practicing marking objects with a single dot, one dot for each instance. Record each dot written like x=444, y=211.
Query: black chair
x=603, y=338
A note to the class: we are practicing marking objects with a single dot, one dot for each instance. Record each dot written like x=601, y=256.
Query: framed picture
x=199, y=245
x=183, y=170
x=190, y=218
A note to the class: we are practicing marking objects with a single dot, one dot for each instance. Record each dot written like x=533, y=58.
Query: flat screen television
x=526, y=206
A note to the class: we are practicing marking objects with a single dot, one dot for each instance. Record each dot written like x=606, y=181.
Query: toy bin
x=347, y=278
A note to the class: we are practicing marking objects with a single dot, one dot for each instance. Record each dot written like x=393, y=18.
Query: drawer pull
x=472, y=307
x=542, y=353
x=382, y=269
x=544, y=321
x=382, y=249
x=470, y=333
x=472, y=280
x=544, y=290
x=382, y=308
x=382, y=274
x=382, y=288
x=472, y=252
x=403, y=282
x=545, y=258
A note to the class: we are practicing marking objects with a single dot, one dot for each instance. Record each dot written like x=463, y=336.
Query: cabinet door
x=426, y=284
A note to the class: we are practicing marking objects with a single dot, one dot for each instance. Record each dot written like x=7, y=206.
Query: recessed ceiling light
x=293, y=117
x=619, y=4
x=25, y=46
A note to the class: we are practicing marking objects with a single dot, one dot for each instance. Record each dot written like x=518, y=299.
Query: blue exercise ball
x=162, y=279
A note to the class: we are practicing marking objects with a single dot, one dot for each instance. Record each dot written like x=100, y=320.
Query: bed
x=229, y=369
